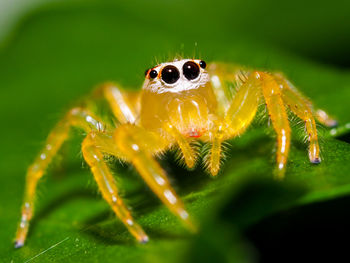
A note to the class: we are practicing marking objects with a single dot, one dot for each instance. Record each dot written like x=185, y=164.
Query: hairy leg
x=94, y=145
x=124, y=105
x=224, y=78
x=239, y=115
x=278, y=115
x=75, y=117
x=325, y=119
x=138, y=146
x=188, y=152
x=213, y=160
x=301, y=107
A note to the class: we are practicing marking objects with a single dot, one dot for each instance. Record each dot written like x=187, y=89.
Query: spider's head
x=176, y=76
x=178, y=93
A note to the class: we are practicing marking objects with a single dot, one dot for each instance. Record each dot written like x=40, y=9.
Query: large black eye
x=190, y=70
x=170, y=74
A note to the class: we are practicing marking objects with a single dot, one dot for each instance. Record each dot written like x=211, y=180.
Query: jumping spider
x=181, y=101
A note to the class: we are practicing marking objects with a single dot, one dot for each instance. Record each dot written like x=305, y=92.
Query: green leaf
x=61, y=51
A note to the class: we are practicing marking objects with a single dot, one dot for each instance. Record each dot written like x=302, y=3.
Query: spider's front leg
x=76, y=117
x=139, y=146
x=241, y=112
x=93, y=147
x=277, y=93
x=238, y=117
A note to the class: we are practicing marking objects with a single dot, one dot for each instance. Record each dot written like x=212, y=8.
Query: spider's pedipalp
x=188, y=153
x=215, y=155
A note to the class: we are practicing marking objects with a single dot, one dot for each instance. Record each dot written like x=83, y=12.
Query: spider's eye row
x=190, y=70
x=153, y=74
x=202, y=64
x=170, y=74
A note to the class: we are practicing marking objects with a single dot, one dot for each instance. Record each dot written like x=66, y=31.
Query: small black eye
x=170, y=74
x=202, y=64
x=190, y=70
x=153, y=74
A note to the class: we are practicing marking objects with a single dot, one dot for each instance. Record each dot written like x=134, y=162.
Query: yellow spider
x=181, y=102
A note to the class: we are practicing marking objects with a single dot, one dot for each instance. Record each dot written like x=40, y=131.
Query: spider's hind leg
x=75, y=117
x=302, y=107
x=325, y=119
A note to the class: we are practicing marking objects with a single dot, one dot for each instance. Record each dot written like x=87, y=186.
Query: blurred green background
x=52, y=54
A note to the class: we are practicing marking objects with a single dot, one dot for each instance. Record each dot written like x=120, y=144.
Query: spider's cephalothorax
x=178, y=95
x=181, y=101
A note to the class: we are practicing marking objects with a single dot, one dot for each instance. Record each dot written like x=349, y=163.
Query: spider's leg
x=325, y=119
x=138, y=146
x=215, y=154
x=188, y=152
x=239, y=115
x=243, y=106
x=93, y=146
x=302, y=107
x=75, y=117
x=279, y=118
x=224, y=78
x=124, y=105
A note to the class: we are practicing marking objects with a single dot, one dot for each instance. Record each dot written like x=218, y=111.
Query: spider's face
x=176, y=76
x=178, y=93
